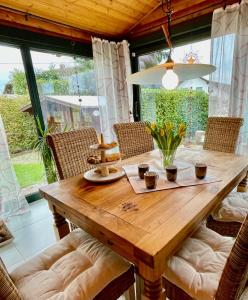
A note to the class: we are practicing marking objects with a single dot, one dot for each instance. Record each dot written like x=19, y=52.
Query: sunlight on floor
x=32, y=231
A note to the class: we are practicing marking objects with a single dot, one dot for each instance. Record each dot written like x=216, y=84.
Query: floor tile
x=38, y=211
x=13, y=267
x=10, y=255
x=33, y=232
x=32, y=239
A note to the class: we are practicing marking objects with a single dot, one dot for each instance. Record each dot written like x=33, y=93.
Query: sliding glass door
x=18, y=125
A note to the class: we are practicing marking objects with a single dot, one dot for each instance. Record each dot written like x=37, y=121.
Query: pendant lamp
x=170, y=73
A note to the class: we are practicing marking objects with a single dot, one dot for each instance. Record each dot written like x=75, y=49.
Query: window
x=189, y=102
x=67, y=90
x=19, y=123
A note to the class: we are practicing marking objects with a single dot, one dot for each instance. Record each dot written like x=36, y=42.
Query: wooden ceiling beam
x=22, y=20
x=184, y=14
x=144, y=17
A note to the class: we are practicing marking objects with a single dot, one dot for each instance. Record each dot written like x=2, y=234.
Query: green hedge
x=19, y=126
x=178, y=106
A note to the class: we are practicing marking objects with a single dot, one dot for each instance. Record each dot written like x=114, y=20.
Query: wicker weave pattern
x=133, y=138
x=235, y=274
x=71, y=150
x=8, y=290
x=222, y=134
x=223, y=228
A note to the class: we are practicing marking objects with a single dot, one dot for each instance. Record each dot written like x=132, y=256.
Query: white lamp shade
x=184, y=72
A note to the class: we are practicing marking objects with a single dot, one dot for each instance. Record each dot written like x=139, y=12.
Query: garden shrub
x=19, y=126
x=177, y=106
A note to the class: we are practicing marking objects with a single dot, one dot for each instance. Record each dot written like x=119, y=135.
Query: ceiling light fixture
x=170, y=79
x=170, y=73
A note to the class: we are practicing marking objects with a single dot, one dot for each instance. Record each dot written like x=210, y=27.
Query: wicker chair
x=222, y=135
x=77, y=267
x=225, y=277
x=133, y=138
x=71, y=149
x=70, y=152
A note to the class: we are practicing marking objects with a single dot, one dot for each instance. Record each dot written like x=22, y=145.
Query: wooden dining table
x=145, y=228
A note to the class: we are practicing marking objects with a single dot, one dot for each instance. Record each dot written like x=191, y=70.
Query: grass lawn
x=29, y=173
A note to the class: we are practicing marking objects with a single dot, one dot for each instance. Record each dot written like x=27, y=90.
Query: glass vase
x=167, y=156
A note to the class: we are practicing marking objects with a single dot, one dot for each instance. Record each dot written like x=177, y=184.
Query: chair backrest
x=8, y=290
x=71, y=150
x=235, y=273
x=133, y=138
x=222, y=134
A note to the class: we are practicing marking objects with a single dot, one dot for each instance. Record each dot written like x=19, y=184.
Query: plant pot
x=167, y=156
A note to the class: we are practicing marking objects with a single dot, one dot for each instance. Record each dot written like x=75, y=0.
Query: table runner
x=185, y=177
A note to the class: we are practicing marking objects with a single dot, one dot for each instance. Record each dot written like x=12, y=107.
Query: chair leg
x=130, y=293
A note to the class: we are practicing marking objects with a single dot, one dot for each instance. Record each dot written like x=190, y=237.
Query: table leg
x=153, y=290
x=242, y=187
x=61, y=227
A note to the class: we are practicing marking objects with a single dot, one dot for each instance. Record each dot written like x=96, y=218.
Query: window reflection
x=67, y=89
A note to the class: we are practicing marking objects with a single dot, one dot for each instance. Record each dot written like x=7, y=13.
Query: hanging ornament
x=81, y=119
x=191, y=57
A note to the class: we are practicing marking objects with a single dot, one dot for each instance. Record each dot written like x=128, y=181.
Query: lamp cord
x=168, y=10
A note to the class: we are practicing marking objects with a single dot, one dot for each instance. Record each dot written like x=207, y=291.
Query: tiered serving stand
x=101, y=173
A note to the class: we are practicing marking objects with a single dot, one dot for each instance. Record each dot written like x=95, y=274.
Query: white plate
x=95, y=177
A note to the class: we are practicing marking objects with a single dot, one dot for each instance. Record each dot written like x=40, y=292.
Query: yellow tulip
x=162, y=132
x=153, y=125
x=182, y=130
x=169, y=127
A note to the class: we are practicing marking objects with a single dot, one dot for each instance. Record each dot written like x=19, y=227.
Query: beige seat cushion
x=77, y=267
x=233, y=208
x=197, y=267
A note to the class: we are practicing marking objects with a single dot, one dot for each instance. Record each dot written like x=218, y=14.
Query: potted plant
x=167, y=138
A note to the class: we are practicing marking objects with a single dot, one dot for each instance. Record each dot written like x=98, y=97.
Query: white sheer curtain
x=12, y=202
x=112, y=65
x=229, y=53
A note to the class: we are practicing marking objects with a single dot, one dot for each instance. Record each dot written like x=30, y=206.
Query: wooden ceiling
x=116, y=19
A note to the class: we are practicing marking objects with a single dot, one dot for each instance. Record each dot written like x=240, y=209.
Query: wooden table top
x=146, y=227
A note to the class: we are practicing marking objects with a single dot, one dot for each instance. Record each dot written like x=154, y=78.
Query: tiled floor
x=33, y=232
